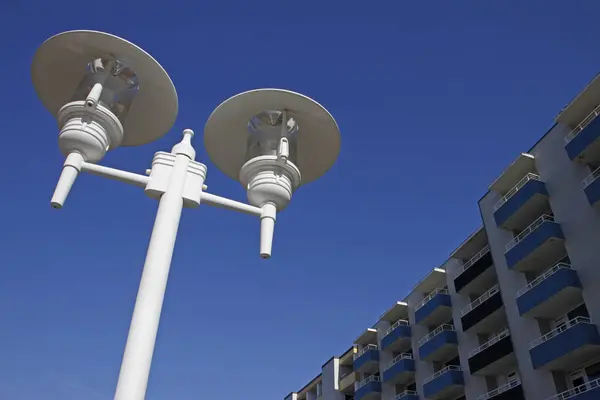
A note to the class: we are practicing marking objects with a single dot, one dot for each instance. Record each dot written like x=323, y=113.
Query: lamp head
x=88, y=76
x=272, y=141
x=250, y=125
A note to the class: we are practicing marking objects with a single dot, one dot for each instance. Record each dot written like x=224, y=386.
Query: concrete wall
x=330, y=378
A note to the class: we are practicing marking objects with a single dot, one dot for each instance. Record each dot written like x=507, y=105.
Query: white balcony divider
x=431, y=296
x=490, y=342
x=577, y=390
x=586, y=121
x=403, y=356
x=435, y=332
x=569, y=324
x=372, y=378
x=472, y=261
x=543, y=277
x=495, y=289
x=529, y=177
x=543, y=218
x=395, y=325
x=406, y=393
x=364, y=350
x=441, y=372
x=591, y=178
x=500, y=389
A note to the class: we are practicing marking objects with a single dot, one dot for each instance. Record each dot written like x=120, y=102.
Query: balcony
x=397, y=337
x=538, y=245
x=567, y=347
x=588, y=391
x=447, y=383
x=493, y=357
x=435, y=309
x=485, y=314
x=527, y=198
x=591, y=187
x=368, y=389
x=400, y=369
x=581, y=143
x=407, y=395
x=347, y=381
x=476, y=272
x=510, y=391
x=367, y=359
x=440, y=344
x=551, y=294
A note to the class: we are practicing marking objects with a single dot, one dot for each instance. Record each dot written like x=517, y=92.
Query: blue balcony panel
x=567, y=350
x=556, y=293
x=447, y=385
x=542, y=246
x=398, y=339
x=367, y=362
x=592, y=192
x=441, y=347
x=400, y=372
x=588, y=391
x=370, y=391
x=585, y=145
x=436, y=311
x=523, y=207
x=407, y=395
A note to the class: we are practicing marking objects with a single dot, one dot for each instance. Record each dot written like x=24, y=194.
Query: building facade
x=514, y=311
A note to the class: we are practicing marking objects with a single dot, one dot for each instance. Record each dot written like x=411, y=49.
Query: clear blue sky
x=433, y=99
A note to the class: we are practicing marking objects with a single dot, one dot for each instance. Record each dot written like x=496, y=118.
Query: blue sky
x=433, y=100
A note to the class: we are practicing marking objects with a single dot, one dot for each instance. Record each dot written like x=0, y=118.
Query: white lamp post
x=106, y=92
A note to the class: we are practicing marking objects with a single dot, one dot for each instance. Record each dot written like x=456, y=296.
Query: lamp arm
x=223, y=202
x=116, y=174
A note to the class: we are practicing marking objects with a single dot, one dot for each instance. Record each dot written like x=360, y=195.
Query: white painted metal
x=135, y=367
x=59, y=65
x=89, y=130
x=226, y=131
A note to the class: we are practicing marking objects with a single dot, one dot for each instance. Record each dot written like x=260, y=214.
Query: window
x=319, y=389
x=512, y=376
x=576, y=379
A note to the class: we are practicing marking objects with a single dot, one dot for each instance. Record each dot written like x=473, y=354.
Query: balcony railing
x=364, y=350
x=543, y=277
x=515, y=189
x=500, y=389
x=560, y=329
x=372, y=378
x=586, y=121
x=403, y=356
x=495, y=289
x=435, y=332
x=472, y=261
x=395, y=325
x=543, y=218
x=441, y=372
x=490, y=342
x=431, y=296
x=567, y=394
x=406, y=393
x=591, y=178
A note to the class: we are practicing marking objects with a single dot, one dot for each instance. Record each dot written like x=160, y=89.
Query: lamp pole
x=135, y=367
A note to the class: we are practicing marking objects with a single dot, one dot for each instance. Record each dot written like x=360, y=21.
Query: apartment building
x=513, y=312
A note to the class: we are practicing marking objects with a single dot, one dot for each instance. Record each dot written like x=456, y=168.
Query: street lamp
x=106, y=92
